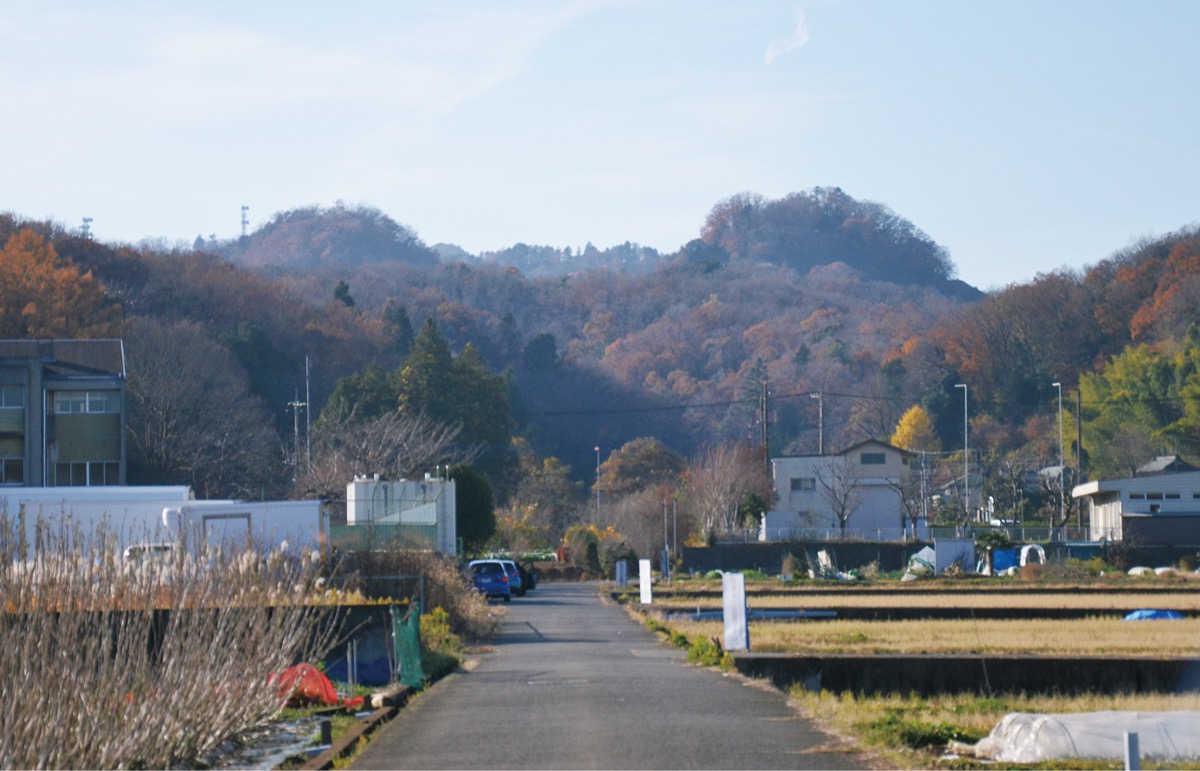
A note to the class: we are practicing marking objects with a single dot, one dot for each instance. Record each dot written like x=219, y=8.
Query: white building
x=161, y=515
x=1160, y=508
x=864, y=481
x=420, y=513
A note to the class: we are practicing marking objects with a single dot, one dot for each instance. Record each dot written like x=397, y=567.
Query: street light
x=1062, y=463
x=966, y=455
x=820, y=397
x=597, y=448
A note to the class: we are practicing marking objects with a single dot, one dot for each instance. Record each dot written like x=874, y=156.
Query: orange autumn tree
x=43, y=296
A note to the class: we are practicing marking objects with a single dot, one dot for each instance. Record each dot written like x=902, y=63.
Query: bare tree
x=638, y=516
x=909, y=489
x=841, y=489
x=192, y=417
x=715, y=486
x=394, y=445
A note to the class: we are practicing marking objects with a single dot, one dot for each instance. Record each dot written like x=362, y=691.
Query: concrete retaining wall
x=930, y=675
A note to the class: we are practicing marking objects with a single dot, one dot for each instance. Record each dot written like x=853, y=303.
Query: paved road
x=574, y=683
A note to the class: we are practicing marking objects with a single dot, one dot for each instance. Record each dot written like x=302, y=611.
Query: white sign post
x=644, y=579
x=733, y=595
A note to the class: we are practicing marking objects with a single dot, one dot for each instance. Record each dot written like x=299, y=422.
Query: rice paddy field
x=909, y=731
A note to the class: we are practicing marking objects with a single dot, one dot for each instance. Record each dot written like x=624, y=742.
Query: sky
x=1022, y=136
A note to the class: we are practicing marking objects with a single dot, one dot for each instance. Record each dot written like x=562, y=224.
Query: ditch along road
x=574, y=683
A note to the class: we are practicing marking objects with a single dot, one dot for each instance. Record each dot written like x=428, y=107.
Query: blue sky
x=1022, y=136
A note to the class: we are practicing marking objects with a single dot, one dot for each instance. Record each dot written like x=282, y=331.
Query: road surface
x=574, y=683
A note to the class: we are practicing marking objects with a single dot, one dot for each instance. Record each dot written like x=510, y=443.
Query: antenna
x=86, y=230
x=245, y=221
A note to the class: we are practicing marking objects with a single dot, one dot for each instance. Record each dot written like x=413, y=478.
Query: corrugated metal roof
x=70, y=358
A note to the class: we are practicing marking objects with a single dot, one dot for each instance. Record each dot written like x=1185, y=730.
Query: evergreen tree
x=475, y=515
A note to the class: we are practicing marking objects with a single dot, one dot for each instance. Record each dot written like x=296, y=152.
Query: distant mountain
x=552, y=261
x=340, y=235
x=823, y=226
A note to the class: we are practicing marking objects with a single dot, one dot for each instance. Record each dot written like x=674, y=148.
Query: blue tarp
x=377, y=672
x=1003, y=559
x=1149, y=614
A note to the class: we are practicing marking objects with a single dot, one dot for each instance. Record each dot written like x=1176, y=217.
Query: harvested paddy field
x=1084, y=637
x=989, y=618
x=905, y=667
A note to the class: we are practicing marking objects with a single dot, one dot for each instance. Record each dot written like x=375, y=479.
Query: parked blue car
x=490, y=578
x=516, y=582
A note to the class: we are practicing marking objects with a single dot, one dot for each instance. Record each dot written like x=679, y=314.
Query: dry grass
x=1081, y=637
x=886, y=724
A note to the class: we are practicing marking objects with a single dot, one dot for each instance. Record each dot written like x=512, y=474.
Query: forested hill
x=680, y=348
x=339, y=235
x=823, y=226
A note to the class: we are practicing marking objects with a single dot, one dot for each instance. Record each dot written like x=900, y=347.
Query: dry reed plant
x=1075, y=637
x=376, y=573
x=113, y=664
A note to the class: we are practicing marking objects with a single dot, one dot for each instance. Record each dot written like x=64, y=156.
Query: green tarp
x=406, y=631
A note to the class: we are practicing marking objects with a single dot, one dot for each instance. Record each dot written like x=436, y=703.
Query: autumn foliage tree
x=915, y=431
x=44, y=296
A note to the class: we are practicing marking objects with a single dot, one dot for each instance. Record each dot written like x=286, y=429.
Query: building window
x=803, y=484
x=12, y=471
x=79, y=402
x=1172, y=496
x=1137, y=496
x=12, y=397
x=87, y=473
x=1154, y=496
x=873, y=459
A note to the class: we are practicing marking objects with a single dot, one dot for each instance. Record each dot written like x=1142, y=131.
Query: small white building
x=1158, y=508
x=420, y=513
x=864, y=479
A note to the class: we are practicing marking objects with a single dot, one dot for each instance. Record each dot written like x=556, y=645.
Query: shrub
x=395, y=574
x=441, y=648
x=708, y=652
x=895, y=728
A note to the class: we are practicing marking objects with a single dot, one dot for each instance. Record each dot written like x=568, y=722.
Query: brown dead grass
x=1082, y=637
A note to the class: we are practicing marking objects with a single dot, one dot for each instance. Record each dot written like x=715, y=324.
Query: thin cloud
x=797, y=39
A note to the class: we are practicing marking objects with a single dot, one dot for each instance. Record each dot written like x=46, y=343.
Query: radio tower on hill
x=245, y=220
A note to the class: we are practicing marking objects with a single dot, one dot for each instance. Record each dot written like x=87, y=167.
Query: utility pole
x=966, y=456
x=597, y=483
x=296, y=405
x=820, y=397
x=307, y=414
x=766, y=432
x=1062, y=462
